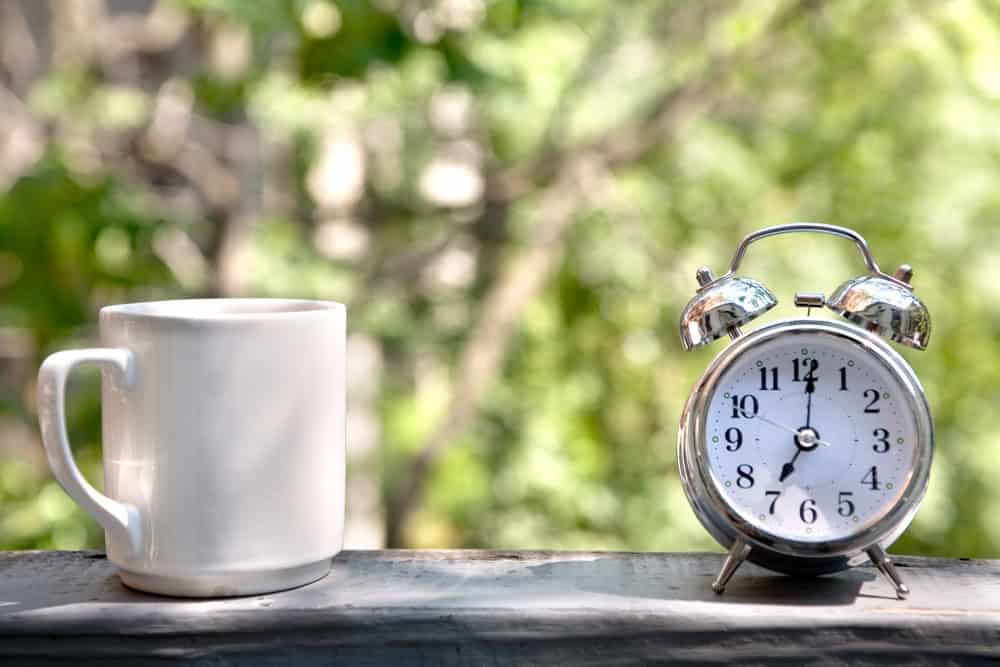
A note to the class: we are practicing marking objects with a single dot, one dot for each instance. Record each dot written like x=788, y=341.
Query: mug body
x=229, y=442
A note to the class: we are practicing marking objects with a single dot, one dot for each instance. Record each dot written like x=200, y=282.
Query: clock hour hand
x=788, y=468
x=806, y=440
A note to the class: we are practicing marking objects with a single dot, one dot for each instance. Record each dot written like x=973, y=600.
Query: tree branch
x=526, y=274
x=567, y=176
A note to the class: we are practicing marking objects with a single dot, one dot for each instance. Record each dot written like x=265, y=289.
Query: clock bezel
x=726, y=525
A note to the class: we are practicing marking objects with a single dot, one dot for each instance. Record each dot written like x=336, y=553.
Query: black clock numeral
x=873, y=395
x=881, y=440
x=843, y=378
x=745, y=476
x=745, y=406
x=769, y=379
x=803, y=369
x=845, y=507
x=871, y=479
x=807, y=511
x=734, y=437
x=773, y=500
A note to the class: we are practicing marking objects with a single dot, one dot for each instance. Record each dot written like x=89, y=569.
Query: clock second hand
x=768, y=420
x=785, y=427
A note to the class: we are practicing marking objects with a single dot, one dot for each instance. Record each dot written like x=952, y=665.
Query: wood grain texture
x=524, y=608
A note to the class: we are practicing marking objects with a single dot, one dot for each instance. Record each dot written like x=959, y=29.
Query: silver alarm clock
x=806, y=446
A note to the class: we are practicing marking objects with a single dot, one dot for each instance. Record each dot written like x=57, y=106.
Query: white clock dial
x=809, y=437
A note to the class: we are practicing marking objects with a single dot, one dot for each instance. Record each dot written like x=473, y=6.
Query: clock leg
x=737, y=554
x=882, y=561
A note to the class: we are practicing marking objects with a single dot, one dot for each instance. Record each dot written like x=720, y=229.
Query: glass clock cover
x=809, y=437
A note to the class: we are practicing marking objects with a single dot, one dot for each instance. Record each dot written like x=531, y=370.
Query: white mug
x=223, y=430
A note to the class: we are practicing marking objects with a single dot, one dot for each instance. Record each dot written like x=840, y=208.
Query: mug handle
x=118, y=519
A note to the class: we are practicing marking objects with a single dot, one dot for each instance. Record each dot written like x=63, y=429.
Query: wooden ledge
x=502, y=607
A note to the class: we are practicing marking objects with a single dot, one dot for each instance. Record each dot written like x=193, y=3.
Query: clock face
x=810, y=437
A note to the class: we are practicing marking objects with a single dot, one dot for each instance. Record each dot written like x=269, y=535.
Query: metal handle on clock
x=797, y=227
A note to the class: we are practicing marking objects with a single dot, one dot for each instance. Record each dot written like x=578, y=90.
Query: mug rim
x=222, y=308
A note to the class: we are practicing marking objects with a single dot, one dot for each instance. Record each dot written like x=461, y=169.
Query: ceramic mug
x=223, y=430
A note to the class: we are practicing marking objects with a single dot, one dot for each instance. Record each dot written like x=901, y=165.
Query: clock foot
x=885, y=565
x=737, y=554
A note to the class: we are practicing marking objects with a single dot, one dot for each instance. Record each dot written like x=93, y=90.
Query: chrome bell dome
x=721, y=306
x=882, y=304
x=885, y=306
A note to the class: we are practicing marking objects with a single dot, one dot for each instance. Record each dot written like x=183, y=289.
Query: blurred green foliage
x=401, y=156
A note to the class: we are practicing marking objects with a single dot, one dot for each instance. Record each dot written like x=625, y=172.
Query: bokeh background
x=512, y=197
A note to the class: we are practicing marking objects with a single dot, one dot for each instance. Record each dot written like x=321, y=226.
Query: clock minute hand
x=810, y=390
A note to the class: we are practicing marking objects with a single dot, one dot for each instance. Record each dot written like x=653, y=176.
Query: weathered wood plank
x=526, y=608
